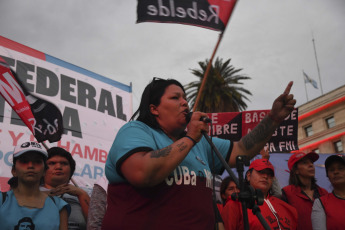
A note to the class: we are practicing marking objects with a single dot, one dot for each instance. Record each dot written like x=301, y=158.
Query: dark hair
x=13, y=181
x=25, y=219
x=294, y=178
x=57, y=151
x=246, y=176
x=152, y=95
x=223, y=186
x=334, y=158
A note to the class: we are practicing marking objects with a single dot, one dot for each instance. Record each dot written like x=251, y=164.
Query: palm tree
x=222, y=91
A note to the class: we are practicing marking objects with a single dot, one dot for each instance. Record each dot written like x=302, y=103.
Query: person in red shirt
x=328, y=211
x=302, y=189
x=277, y=213
x=227, y=187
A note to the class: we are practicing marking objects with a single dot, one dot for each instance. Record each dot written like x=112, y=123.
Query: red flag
x=210, y=14
x=42, y=117
x=14, y=95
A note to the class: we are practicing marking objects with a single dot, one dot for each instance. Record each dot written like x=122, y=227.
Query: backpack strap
x=4, y=195
x=52, y=199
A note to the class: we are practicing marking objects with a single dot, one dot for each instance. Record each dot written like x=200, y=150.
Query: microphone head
x=204, y=119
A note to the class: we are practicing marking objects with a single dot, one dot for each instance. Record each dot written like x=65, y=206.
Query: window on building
x=308, y=130
x=316, y=150
x=330, y=122
x=338, y=146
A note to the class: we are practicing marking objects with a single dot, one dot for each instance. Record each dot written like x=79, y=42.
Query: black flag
x=47, y=122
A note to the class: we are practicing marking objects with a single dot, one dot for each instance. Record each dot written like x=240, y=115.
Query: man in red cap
x=277, y=213
x=302, y=189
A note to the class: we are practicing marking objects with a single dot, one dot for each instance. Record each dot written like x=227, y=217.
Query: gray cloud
x=271, y=40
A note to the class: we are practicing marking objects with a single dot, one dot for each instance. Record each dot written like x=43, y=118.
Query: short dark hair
x=57, y=151
x=223, y=186
x=152, y=95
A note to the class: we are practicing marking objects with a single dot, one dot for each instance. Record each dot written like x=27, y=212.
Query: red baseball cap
x=299, y=155
x=261, y=164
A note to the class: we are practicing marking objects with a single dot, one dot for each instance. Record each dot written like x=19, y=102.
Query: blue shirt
x=48, y=217
x=182, y=201
x=135, y=136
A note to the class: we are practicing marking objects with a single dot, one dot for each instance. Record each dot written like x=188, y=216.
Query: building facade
x=321, y=123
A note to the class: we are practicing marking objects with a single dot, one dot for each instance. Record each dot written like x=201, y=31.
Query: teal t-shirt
x=182, y=201
x=13, y=216
x=135, y=136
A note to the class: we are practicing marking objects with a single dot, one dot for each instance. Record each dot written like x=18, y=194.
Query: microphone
x=204, y=119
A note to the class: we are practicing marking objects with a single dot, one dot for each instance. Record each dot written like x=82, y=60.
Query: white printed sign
x=93, y=108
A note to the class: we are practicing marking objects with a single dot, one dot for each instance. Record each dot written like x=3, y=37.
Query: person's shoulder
x=291, y=188
x=134, y=125
x=59, y=203
x=6, y=194
x=326, y=197
x=232, y=210
x=232, y=204
x=276, y=200
x=282, y=204
x=3, y=197
x=322, y=191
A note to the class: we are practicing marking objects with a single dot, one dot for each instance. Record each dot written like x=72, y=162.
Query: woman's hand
x=196, y=126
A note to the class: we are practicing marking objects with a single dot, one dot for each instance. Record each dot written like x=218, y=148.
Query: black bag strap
x=4, y=195
x=52, y=199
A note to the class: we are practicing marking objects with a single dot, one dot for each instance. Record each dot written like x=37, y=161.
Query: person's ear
x=13, y=171
x=248, y=176
x=153, y=110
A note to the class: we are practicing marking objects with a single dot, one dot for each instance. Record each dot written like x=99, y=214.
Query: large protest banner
x=234, y=125
x=93, y=108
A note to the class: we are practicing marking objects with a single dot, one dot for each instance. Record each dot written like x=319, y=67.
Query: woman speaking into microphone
x=160, y=173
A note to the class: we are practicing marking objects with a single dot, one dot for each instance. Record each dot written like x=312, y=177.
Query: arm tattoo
x=260, y=133
x=161, y=152
x=182, y=146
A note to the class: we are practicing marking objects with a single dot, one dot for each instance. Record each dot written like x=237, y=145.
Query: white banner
x=93, y=108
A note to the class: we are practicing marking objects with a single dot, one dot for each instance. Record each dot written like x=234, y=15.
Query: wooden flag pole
x=206, y=72
x=211, y=60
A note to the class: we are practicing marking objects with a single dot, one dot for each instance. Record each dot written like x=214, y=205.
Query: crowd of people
x=159, y=176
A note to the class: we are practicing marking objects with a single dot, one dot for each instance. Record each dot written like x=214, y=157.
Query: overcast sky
x=270, y=40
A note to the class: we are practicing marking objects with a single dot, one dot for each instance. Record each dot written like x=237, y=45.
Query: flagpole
x=305, y=87
x=210, y=62
x=206, y=72
x=317, y=64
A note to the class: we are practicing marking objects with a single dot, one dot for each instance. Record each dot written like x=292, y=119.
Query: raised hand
x=65, y=188
x=283, y=105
